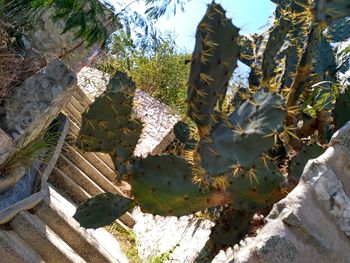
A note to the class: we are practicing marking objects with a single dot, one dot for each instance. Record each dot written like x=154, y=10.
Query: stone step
x=43, y=240
x=79, y=177
x=57, y=214
x=74, y=131
x=77, y=105
x=63, y=182
x=83, y=99
x=77, y=194
x=97, y=163
x=87, y=168
x=73, y=112
x=14, y=250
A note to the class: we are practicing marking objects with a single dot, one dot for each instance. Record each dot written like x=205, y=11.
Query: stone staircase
x=48, y=232
x=81, y=174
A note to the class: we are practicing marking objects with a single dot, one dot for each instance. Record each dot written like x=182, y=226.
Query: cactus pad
x=297, y=163
x=256, y=188
x=341, y=112
x=102, y=210
x=251, y=130
x=163, y=185
x=213, y=61
x=230, y=227
x=109, y=125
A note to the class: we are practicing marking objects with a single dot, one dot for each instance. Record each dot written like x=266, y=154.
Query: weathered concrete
x=43, y=240
x=57, y=214
x=312, y=224
x=31, y=107
x=15, y=250
x=7, y=146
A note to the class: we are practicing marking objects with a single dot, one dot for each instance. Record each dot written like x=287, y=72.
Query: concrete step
x=56, y=212
x=77, y=194
x=14, y=250
x=75, y=101
x=63, y=182
x=87, y=168
x=73, y=133
x=98, y=164
x=78, y=176
x=73, y=112
x=83, y=99
x=43, y=240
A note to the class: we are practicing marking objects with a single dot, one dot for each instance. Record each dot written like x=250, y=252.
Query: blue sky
x=249, y=15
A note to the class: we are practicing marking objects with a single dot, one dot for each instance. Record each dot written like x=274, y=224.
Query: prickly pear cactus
x=214, y=58
x=110, y=119
x=102, y=210
x=230, y=227
x=162, y=185
x=245, y=136
x=341, y=112
x=297, y=163
x=239, y=161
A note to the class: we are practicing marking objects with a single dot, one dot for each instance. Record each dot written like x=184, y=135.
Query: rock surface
x=31, y=107
x=182, y=238
x=312, y=224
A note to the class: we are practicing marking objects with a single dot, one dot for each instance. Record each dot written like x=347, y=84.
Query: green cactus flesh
x=275, y=50
x=121, y=82
x=230, y=227
x=246, y=50
x=249, y=132
x=182, y=131
x=102, y=210
x=162, y=185
x=213, y=61
x=330, y=10
x=339, y=30
x=297, y=163
x=109, y=125
x=256, y=188
x=341, y=112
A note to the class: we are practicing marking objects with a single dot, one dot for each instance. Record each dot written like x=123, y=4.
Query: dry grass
x=14, y=69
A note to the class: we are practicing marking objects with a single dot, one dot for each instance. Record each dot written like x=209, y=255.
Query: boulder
x=312, y=224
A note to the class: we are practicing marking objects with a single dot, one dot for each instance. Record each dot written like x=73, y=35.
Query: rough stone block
x=31, y=107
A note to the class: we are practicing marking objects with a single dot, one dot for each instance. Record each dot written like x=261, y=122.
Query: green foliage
x=127, y=241
x=160, y=71
x=239, y=160
x=87, y=19
x=81, y=16
x=163, y=257
x=38, y=150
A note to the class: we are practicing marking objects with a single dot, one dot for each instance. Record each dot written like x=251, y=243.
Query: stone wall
x=29, y=109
